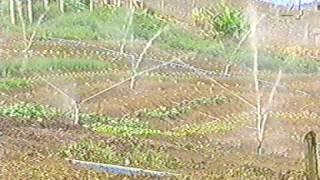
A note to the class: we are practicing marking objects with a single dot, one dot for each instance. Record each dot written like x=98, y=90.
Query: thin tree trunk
x=12, y=11
x=61, y=6
x=22, y=21
x=30, y=11
x=91, y=5
x=46, y=4
x=130, y=4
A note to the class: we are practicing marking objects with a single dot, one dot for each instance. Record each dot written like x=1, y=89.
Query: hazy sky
x=289, y=2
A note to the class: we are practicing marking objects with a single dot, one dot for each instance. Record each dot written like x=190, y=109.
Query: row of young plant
x=35, y=66
x=171, y=113
x=126, y=127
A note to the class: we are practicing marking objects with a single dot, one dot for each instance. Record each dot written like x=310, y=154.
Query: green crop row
x=166, y=113
x=136, y=156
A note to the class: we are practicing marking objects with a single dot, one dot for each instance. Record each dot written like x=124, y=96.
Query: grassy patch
x=11, y=84
x=137, y=156
x=103, y=24
x=179, y=39
x=90, y=151
x=22, y=67
x=108, y=24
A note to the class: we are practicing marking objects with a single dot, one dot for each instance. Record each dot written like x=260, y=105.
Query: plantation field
x=190, y=111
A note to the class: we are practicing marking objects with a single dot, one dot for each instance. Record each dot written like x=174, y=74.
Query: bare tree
x=136, y=65
x=262, y=112
x=30, y=41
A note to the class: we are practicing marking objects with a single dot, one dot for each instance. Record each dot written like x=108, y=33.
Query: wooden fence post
x=311, y=158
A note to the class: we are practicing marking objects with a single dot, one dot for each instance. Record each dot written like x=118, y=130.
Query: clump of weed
x=91, y=151
x=152, y=159
x=136, y=156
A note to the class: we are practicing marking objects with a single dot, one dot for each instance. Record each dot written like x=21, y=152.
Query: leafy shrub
x=223, y=21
